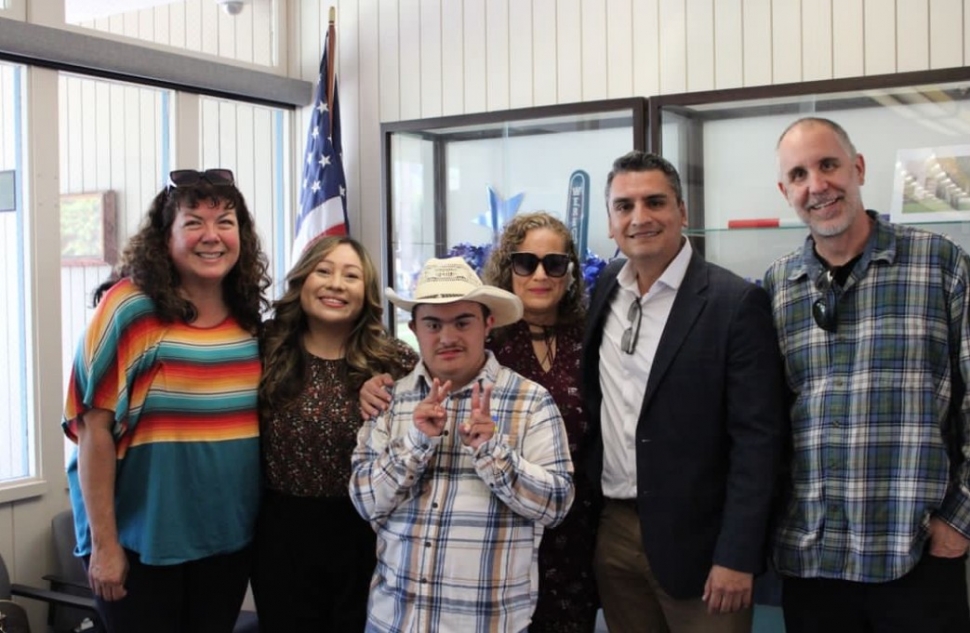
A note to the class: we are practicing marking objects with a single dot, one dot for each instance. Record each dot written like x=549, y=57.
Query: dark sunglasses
x=555, y=264
x=632, y=334
x=190, y=177
x=825, y=308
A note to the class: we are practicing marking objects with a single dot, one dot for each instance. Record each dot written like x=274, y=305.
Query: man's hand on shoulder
x=374, y=397
x=727, y=591
x=945, y=541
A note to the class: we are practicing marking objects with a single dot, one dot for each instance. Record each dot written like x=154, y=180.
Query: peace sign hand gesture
x=429, y=416
x=480, y=428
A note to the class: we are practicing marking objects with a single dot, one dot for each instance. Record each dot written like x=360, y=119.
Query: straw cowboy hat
x=452, y=280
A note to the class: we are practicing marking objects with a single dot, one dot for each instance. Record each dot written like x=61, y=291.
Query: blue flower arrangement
x=476, y=256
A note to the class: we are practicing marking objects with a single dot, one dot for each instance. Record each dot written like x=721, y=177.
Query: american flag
x=323, y=194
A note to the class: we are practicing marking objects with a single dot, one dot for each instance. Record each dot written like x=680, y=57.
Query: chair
x=13, y=618
x=72, y=579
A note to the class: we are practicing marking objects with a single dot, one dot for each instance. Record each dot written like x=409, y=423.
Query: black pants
x=200, y=596
x=932, y=598
x=314, y=559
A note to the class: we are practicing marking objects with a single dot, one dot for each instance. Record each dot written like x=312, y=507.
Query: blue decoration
x=577, y=208
x=500, y=211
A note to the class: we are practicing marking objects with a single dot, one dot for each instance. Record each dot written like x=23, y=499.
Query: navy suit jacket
x=710, y=433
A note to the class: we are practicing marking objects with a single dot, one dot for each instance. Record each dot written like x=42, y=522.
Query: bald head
x=839, y=131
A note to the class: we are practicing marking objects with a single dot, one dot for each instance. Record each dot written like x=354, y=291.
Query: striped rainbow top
x=186, y=429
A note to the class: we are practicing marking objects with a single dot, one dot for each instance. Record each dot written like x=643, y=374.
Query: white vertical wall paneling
x=946, y=33
x=756, y=22
x=645, y=34
x=879, y=23
x=410, y=56
x=209, y=36
x=89, y=140
x=239, y=39
x=313, y=24
x=521, y=62
x=728, y=45
x=475, y=72
x=497, y=49
x=544, y=60
x=116, y=24
x=430, y=47
x=619, y=48
x=700, y=45
x=130, y=24
x=176, y=23
x=193, y=25
x=569, y=55
x=146, y=25
x=786, y=42
x=595, y=69
x=452, y=58
x=673, y=46
x=225, y=42
x=816, y=39
x=370, y=136
x=261, y=37
x=163, y=24
x=389, y=60
x=850, y=38
x=912, y=35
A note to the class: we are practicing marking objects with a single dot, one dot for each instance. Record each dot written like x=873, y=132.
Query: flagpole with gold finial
x=331, y=46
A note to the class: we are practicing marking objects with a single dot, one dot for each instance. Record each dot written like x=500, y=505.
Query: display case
x=913, y=130
x=451, y=183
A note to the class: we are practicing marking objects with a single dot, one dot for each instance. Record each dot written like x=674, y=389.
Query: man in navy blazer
x=684, y=387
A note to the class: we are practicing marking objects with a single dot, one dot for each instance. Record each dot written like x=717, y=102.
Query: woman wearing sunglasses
x=165, y=482
x=536, y=259
x=314, y=554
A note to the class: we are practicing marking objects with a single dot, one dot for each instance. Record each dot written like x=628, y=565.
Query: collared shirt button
x=434, y=505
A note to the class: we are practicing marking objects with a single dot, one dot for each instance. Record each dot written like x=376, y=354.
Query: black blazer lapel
x=688, y=305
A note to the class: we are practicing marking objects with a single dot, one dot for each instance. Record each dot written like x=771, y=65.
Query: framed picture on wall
x=932, y=184
x=88, y=229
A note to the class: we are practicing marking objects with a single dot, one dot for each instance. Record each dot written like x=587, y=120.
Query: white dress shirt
x=623, y=377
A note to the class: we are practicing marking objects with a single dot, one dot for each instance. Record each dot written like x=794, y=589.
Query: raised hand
x=480, y=427
x=429, y=416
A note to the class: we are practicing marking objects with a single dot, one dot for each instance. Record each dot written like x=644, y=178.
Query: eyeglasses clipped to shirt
x=825, y=308
x=628, y=343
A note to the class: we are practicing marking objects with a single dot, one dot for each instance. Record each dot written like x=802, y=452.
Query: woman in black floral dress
x=314, y=556
x=537, y=260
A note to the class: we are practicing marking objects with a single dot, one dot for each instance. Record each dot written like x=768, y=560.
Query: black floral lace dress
x=567, y=588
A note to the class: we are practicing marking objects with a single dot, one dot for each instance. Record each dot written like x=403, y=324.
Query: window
x=16, y=433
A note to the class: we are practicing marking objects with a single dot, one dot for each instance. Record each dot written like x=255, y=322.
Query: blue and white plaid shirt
x=880, y=421
x=458, y=530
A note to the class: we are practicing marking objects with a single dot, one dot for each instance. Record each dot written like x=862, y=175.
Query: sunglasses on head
x=555, y=264
x=825, y=309
x=190, y=177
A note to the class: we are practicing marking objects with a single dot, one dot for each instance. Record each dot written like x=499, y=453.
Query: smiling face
x=333, y=293
x=539, y=292
x=451, y=338
x=204, y=243
x=646, y=219
x=820, y=176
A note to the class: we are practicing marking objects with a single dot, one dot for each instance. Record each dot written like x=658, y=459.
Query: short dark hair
x=829, y=123
x=486, y=312
x=644, y=161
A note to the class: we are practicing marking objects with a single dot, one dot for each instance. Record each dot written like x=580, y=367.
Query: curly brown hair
x=498, y=269
x=147, y=259
x=368, y=348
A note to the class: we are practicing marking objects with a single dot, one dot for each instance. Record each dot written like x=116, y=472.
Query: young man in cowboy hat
x=462, y=472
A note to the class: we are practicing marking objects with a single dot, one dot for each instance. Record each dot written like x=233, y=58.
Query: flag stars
x=322, y=107
x=315, y=187
x=324, y=160
x=309, y=158
x=316, y=132
x=343, y=192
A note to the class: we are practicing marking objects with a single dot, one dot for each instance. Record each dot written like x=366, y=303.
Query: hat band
x=441, y=296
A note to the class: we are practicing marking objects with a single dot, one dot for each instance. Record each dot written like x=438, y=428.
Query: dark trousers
x=932, y=598
x=314, y=558
x=200, y=596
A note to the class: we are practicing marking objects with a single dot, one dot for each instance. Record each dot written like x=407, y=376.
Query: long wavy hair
x=368, y=349
x=498, y=269
x=147, y=260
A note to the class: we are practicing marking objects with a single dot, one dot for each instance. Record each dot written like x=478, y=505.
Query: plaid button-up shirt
x=880, y=420
x=458, y=530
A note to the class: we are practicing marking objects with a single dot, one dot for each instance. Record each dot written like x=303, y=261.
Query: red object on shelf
x=762, y=223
